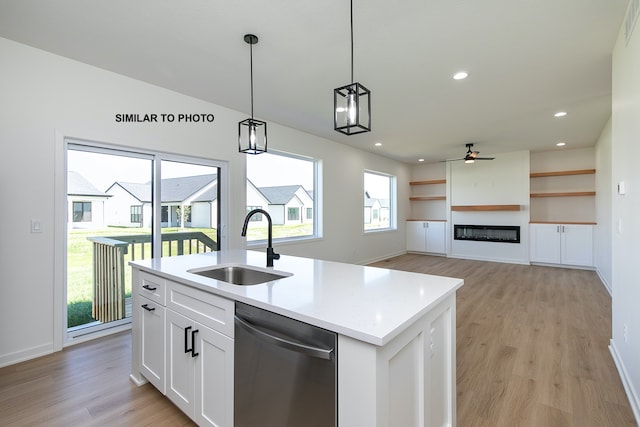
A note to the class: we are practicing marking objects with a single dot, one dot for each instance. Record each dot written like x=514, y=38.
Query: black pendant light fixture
x=252, y=133
x=352, y=103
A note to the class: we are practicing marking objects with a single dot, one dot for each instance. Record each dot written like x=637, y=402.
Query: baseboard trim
x=24, y=355
x=632, y=395
x=500, y=260
x=604, y=282
x=382, y=258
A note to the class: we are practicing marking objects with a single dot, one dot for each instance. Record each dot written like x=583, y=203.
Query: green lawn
x=80, y=263
x=80, y=266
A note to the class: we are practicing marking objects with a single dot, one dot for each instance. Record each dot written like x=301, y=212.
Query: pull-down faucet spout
x=271, y=255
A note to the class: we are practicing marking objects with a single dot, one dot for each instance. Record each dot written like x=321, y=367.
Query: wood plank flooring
x=532, y=345
x=531, y=351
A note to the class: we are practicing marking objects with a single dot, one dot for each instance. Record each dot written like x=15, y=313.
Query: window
x=136, y=214
x=286, y=186
x=81, y=211
x=379, y=201
x=293, y=214
x=257, y=217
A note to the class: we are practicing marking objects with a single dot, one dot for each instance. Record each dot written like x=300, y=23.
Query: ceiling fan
x=471, y=156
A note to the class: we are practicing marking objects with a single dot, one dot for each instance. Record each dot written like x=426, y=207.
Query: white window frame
x=393, y=202
x=317, y=202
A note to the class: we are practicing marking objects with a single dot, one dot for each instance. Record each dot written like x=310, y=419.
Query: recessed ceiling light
x=421, y=160
x=560, y=114
x=378, y=144
x=460, y=75
x=561, y=144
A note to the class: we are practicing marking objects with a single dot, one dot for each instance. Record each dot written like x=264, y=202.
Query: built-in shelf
x=427, y=219
x=429, y=182
x=468, y=208
x=565, y=222
x=562, y=173
x=425, y=198
x=564, y=194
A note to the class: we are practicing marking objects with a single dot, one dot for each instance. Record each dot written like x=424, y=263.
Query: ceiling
x=526, y=59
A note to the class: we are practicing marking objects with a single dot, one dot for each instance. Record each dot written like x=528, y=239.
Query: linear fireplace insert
x=487, y=233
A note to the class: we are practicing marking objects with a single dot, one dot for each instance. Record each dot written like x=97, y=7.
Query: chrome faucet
x=271, y=255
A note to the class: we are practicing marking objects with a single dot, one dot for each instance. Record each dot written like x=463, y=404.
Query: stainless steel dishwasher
x=285, y=371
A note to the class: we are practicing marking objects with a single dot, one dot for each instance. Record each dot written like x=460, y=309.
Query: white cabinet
x=152, y=322
x=183, y=345
x=408, y=382
x=426, y=236
x=199, y=371
x=199, y=354
x=567, y=244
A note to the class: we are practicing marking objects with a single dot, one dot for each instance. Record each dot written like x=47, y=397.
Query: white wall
x=503, y=181
x=46, y=97
x=625, y=133
x=604, y=193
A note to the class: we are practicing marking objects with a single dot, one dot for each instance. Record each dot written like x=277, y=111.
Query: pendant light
x=352, y=103
x=252, y=133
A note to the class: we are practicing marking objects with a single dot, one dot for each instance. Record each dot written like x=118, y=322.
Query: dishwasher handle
x=307, y=350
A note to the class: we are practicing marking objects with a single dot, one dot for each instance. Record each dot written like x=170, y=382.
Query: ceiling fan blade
x=484, y=158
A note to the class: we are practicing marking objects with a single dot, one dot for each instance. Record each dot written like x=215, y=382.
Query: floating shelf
x=562, y=173
x=566, y=194
x=467, y=208
x=433, y=181
x=426, y=198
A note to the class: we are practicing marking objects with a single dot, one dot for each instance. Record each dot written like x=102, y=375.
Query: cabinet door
x=545, y=243
x=436, y=237
x=416, y=236
x=152, y=337
x=180, y=376
x=214, y=378
x=577, y=245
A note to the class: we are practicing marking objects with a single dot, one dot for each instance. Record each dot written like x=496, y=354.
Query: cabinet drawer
x=203, y=307
x=152, y=287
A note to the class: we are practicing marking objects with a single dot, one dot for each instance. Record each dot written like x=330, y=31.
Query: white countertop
x=366, y=303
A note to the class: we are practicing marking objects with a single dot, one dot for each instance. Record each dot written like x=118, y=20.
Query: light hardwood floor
x=531, y=351
x=532, y=345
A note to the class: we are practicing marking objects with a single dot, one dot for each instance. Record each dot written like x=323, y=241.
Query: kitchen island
x=396, y=333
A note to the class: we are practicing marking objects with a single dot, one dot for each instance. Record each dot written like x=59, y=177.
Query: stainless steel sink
x=241, y=274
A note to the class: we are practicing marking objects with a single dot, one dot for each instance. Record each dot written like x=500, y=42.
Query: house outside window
x=256, y=217
x=81, y=211
x=379, y=201
x=136, y=214
x=286, y=186
x=293, y=214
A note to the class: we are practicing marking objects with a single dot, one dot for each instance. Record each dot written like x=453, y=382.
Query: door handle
x=193, y=343
x=186, y=339
x=308, y=350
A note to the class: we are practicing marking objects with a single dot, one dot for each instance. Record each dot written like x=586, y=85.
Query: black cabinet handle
x=186, y=339
x=193, y=343
x=149, y=288
x=146, y=307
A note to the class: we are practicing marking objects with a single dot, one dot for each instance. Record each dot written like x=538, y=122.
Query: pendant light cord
x=351, y=12
x=251, y=66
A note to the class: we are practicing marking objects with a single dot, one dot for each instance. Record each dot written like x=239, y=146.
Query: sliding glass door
x=119, y=203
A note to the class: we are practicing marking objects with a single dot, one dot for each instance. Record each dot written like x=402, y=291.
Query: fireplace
x=487, y=233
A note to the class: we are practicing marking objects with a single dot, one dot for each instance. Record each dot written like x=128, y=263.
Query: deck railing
x=109, y=265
